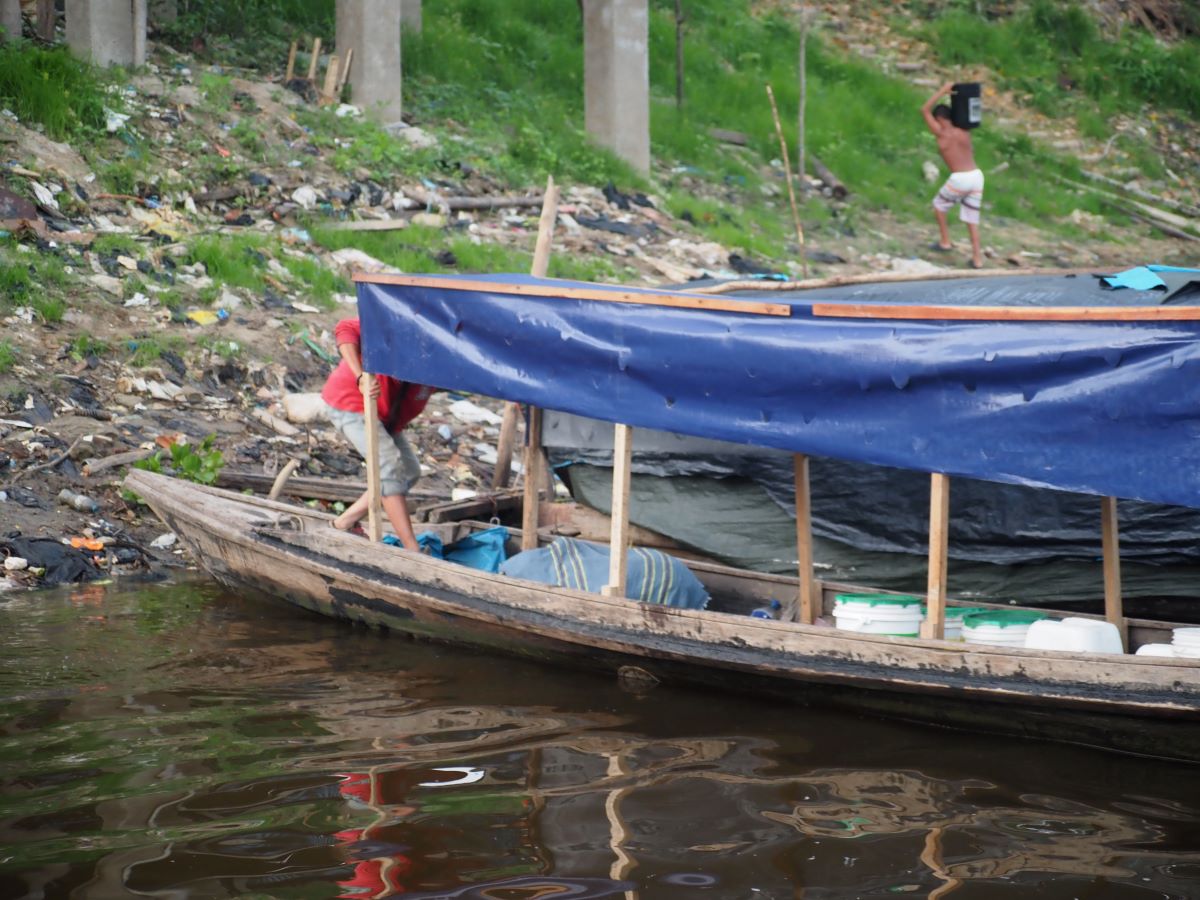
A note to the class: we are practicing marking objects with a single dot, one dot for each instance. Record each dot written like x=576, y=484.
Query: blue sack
x=483, y=550
x=651, y=577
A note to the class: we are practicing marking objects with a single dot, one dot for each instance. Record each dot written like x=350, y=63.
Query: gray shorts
x=399, y=467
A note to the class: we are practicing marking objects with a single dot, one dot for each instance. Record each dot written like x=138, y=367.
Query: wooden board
x=1008, y=313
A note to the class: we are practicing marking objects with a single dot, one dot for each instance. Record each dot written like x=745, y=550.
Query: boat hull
x=1132, y=704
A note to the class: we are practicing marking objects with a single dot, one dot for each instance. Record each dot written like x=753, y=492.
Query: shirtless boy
x=964, y=187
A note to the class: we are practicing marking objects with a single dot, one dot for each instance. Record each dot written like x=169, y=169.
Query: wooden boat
x=1034, y=396
x=1129, y=703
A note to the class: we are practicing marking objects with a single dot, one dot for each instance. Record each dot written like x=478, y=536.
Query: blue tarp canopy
x=1094, y=406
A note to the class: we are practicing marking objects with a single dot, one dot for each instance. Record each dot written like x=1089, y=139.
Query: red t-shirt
x=399, y=401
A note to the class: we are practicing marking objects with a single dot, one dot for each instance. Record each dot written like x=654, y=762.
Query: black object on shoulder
x=966, y=104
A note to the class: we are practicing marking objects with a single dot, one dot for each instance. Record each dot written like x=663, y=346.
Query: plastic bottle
x=770, y=611
x=78, y=501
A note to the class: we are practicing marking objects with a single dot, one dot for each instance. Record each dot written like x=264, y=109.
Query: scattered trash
x=16, y=563
x=81, y=502
x=164, y=541
x=473, y=414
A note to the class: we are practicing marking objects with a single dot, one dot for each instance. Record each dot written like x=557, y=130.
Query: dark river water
x=175, y=741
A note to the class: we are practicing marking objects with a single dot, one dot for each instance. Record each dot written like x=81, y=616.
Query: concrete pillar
x=10, y=19
x=616, y=77
x=101, y=31
x=371, y=28
x=410, y=15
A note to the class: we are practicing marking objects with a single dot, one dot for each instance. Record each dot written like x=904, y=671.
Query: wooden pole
x=312, y=62
x=291, y=64
x=533, y=480
x=934, y=625
x=344, y=75
x=45, y=20
x=678, y=54
x=800, y=112
x=805, y=608
x=541, y=264
x=618, y=545
x=329, y=87
x=371, y=418
x=787, y=171
x=1109, y=536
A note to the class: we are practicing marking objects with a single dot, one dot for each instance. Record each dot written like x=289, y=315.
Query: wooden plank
x=1113, y=605
x=291, y=63
x=805, y=609
x=333, y=489
x=371, y=418
x=329, y=87
x=878, y=278
x=312, y=62
x=1009, y=313
x=344, y=75
x=934, y=626
x=533, y=479
x=648, y=298
x=618, y=545
x=484, y=506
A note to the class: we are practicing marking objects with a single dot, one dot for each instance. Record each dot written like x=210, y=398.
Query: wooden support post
x=934, y=625
x=618, y=545
x=312, y=62
x=374, y=503
x=291, y=64
x=329, y=87
x=533, y=480
x=1109, y=537
x=344, y=75
x=804, y=609
x=45, y=20
x=541, y=263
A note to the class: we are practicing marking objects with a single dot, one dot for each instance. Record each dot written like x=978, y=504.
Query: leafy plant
x=51, y=87
x=201, y=464
x=8, y=356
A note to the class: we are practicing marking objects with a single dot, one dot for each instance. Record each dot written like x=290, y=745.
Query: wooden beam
x=329, y=86
x=533, y=479
x=934, y=625
x=291, y=64
x=1009, y=313
x=504, y=445
x=371, y=418
x=312, y=62
x=346, y=490
x=618, y=545
x=805, y=608
x=726, y=287
x=344, y=74
x=1109, y=537
x=606, y=295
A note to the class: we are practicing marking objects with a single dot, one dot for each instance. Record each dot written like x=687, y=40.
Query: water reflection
x=176, y=743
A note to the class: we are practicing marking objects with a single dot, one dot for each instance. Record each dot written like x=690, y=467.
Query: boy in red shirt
x=398, y=403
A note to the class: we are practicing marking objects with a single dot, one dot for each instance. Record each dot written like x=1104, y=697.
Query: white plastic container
x=1074, y=635
x=954, y=620
x=1156, y=650
x=896, y=614
x=1004, y=627
x=1186, y=642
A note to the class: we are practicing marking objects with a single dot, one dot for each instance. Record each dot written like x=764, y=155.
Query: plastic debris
x=164, y=541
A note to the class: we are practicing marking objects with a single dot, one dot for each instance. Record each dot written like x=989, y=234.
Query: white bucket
x=1005, y=627
x=954, y=620
x=1074, y=635
x=898, y=615
x=1155, y=650
x=1186, y=642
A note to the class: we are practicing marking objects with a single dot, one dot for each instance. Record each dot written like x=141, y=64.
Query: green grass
x=53, y=89
x=235, y=260
x=85, y=345
x=35, y=282
x=320, y=283
x=8, y=357
x=1053, y=53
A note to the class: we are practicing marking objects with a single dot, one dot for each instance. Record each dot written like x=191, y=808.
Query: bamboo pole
x=804, y=607
x=934, y=625
x=618, y=545
x=1109, y=536
x=787, y=171
x=726, y=287
x=538, y=269
x=371, y=420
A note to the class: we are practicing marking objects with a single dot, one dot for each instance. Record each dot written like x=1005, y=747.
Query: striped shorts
x=964, y=189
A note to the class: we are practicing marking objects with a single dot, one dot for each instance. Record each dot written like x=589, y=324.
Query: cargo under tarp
x=1102, y=403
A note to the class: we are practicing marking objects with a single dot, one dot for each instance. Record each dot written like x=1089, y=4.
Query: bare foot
x=977, y=264
x=351, y=528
